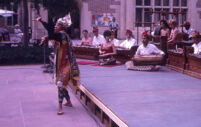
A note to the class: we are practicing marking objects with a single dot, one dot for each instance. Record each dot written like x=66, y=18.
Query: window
x=138, y=16
x=166, y=17
x=143, y=16
x=147, y=2
x=175, y=2
x=156, y=15
x=184, y=3
x=176, y=17
x=157, y=2
x=138, y=2
x=147, y=17
x=165, y=2
x=185, y=15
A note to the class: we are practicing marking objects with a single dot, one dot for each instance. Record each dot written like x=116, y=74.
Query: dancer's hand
x=39, y=19
x=43, y=40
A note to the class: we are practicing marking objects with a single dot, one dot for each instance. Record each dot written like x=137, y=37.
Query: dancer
x=66, y=65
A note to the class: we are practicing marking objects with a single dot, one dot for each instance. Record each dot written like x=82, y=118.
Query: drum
x=148, y=60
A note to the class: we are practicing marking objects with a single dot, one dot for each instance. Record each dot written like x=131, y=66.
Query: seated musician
x=165, y=30
x=107, y=51
x=174, y=32
x=147, y=56
x=97, y=39
x=129, y=42
x=115, y=41
x=86, y=40
x=189, y=31
x=197, y=42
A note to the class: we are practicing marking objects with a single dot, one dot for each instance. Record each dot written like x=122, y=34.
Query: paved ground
x=28, y=98
x=146, y=99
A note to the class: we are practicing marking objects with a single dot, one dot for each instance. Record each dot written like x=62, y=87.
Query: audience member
x=174, y=32
x=165, y=29
x=157, y=29
x=4, y=34
x=114, y=26
x=18, y=32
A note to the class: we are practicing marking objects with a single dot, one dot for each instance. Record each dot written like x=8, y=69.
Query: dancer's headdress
x=65, y=21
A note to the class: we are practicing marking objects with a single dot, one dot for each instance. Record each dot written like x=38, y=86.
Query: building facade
x=38, y=30
x=135, y=14
x=130, y=14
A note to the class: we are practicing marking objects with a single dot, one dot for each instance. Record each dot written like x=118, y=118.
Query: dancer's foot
x=60, y=113
x=69, y=104
x=157, y=67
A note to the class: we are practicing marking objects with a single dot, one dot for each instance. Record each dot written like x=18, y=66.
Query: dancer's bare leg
x=60, y=112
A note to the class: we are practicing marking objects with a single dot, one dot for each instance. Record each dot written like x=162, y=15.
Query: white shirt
x=116, y=42
x=18, y=33
x=98, y=40
x=190, y=32
x=113, y=25
x=197, y=48
x=150, y=49
x=128, y=43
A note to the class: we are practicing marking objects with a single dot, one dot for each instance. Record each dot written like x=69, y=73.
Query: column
x=130, y=14
x=85, y=17
x=122, y=18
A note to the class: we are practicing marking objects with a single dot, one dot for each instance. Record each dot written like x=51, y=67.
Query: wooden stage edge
x=104, y=113
x=180, y=70
x=188, y=72
x=191, y=73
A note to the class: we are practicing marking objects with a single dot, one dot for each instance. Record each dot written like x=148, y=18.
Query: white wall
x=86, y=16
x=193, y=16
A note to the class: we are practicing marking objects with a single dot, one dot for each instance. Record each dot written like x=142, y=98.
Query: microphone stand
x=44, y=57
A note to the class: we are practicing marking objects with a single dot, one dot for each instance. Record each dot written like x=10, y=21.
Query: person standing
x=174, y=32
x=189, y=31
x=66, y=65
x=114, y=26
x=165, y=29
